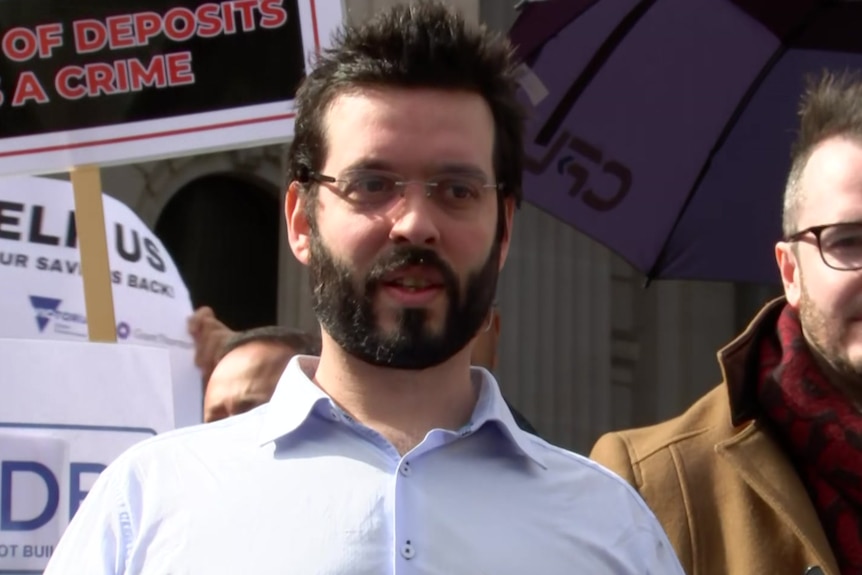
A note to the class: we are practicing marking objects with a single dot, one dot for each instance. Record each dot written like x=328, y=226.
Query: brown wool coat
x=729, y=499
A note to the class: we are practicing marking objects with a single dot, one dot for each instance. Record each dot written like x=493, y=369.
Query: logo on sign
x=126, y=332
x=45, y=308
x=48, y=309
x=123, y=330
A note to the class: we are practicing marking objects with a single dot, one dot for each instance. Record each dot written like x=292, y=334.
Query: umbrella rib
x=555, y=119
x=728, y=127
x=560, y=13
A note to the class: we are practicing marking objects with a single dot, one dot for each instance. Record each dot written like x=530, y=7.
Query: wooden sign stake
x=93, y=245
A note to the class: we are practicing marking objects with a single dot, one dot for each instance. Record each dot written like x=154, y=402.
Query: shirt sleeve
x=644, y=549
x=658, y=556
x=97, y=540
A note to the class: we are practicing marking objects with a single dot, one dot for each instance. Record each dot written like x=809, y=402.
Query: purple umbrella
x=662, y=128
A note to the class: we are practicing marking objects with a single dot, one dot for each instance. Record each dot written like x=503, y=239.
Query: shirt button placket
x=404, y=468
x=407, y=550
x=404, y=544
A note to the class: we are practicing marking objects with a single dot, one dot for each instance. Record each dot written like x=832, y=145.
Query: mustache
x=408, y=256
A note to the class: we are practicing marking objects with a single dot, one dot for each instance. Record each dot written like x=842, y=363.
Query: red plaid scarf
x=823, y=433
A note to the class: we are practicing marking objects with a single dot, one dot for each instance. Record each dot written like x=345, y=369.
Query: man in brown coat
x=764, y=473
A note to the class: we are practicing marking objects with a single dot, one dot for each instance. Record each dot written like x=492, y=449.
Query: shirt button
x=408, y=551
x=405, y=469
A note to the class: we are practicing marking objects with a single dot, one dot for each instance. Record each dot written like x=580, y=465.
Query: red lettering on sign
x=229, y=20
x=50, y=37
x=180, y=24
x=121, y=33
x=209, y=20
x=273, y=15
x=100, y=79
x=63, y=83
x=152, y=75
x=90, y=36
x=147, y=25
x=28, y=88
x=246, y=13
x=123, y=76
x=179, y=67
x=19, y=44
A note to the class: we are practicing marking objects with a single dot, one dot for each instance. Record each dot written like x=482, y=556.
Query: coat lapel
x=754, y=454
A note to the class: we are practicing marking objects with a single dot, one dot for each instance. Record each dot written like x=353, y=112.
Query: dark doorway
x=222, y=231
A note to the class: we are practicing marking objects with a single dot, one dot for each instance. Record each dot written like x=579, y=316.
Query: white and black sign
x=105, y=82
x=70, y=408
x=42, y=291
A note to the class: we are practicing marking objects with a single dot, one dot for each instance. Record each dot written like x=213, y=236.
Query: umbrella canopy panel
x=663, y=127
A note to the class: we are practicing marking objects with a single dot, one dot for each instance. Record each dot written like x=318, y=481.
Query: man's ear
x=788, y=265
x=495, y=322
x=296, y=217
x=509, y=214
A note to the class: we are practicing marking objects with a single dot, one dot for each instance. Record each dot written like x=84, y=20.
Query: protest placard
x=98, y=83
x=69, y=409
x=42, y=297
x=89, y=84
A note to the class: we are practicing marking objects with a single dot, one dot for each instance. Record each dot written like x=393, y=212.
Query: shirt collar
x=492, y=408
x=296, y=397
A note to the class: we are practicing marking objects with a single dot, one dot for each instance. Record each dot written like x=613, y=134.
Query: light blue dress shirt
x=298, y=487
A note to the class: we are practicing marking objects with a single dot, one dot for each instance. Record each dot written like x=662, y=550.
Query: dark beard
x=344, y=305
x=827, y=340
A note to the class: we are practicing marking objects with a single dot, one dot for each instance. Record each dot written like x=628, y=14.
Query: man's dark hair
x=831, y=105
x=423, y=44
x=301, y=342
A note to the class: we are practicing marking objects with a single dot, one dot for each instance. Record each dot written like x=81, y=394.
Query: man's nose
x=414, y=217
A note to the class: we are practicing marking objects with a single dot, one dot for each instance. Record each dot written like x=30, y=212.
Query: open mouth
x=412, y=284
x=415, y=285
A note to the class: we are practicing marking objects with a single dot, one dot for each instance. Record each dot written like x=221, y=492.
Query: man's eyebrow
x=449, y=168
x=369, y=164
x=461, y=170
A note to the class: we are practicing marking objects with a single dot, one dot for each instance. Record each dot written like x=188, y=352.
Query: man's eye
x=461, y=190
x=370, y=185
x=458, y=189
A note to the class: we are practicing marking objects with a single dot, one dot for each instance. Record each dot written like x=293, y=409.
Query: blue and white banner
x=42, y=292
x=68, y=410
x=34, y=476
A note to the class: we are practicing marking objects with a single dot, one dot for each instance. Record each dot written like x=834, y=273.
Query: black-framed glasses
x=840, y=245
x=374, y=188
